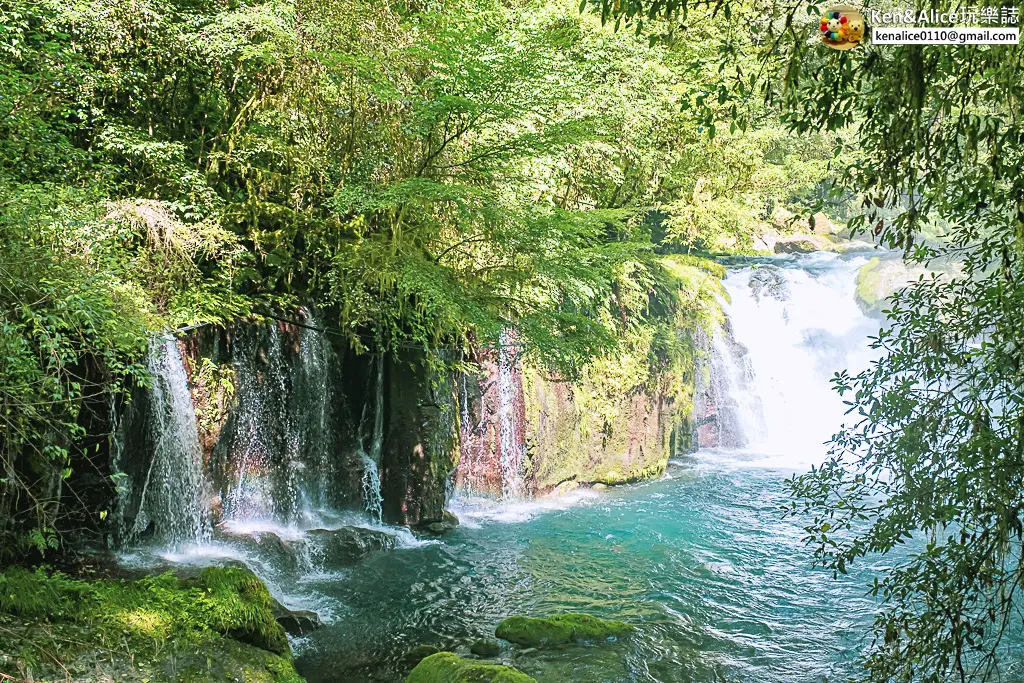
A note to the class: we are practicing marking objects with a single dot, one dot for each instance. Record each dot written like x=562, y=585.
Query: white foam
x=473, y=511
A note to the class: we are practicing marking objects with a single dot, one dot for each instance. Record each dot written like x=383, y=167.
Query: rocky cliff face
x=567, y=445
x=422, y=445
x=525, y=433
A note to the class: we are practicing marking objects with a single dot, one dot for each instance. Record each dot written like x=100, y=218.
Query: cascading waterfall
x=284, y=427
x=172, y=494
x=511, y=450
x=262, y=387
x=373, y=499
x=796, y=323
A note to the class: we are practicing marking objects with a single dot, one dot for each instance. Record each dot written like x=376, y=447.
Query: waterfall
x=373, y=499
x=283, y=444
x=511, y=449
x=793, y=326
x=262, y=387
x=172, y=496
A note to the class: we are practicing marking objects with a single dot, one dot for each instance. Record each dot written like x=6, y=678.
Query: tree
x=936, y=449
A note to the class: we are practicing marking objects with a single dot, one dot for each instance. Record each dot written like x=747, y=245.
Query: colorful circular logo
x=842, y=27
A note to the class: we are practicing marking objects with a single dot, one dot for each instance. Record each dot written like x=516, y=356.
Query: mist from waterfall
x=172, y=494
x=794, y=324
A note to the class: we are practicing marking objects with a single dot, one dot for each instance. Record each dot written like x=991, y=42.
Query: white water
x=284, y=440
x=172, y=498
x=800, y=324
x=511, y=452
x=373, y=499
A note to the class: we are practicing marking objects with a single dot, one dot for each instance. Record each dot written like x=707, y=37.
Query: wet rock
x=265, y=544
x=446, y=667
x=799, y=244
x=560, y=629
x=347, y=545
x=768, y=281
x=296, y=622
x=599, y=486
x=565, y=487
x=448, y=522
x=419, y=653
x=485, y=647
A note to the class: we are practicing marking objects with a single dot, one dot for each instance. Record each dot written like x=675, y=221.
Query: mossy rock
x=446, y=667
x=560, y=629
x=215, y=624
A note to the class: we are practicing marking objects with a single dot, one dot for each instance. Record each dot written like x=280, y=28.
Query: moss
x=446, y=667
x=560, y=629
x=156, y=621
x=869, y=293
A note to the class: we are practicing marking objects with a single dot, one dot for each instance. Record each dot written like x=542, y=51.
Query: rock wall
x=566, y=445
x=421, y=448
x=556, y=433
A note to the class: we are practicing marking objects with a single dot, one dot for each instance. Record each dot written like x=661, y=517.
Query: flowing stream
x=702, y=561
x=718, y=581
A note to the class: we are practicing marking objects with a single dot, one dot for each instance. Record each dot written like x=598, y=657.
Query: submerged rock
x=347, y=545
x=296, y=622
x=560, y=629
x=485, y=647
x=446, y=667
x=420, y=652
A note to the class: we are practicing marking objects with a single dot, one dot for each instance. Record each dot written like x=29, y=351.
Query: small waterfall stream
x=373, y=499
x=511, y=449
x=172, y=494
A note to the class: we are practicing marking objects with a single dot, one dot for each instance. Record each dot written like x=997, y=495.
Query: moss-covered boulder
x=446, y=667
x=560, y=629
x=215, y=625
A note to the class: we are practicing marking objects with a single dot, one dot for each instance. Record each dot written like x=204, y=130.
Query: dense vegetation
x=935, y=449
x=425, y=175
x=430, y=174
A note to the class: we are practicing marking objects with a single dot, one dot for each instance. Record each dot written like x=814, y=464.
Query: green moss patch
x=446, y=667
x=218, y=621
x=560, y=629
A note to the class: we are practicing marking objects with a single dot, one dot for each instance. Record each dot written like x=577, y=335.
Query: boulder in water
x=768, y=281
x=283, y=554
x=348, y=545
x=560, y=629
x=801, y=244
x=419, y=653
x=447, y=667
x=448, y=522
x=296, y=622
x=485, y=647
